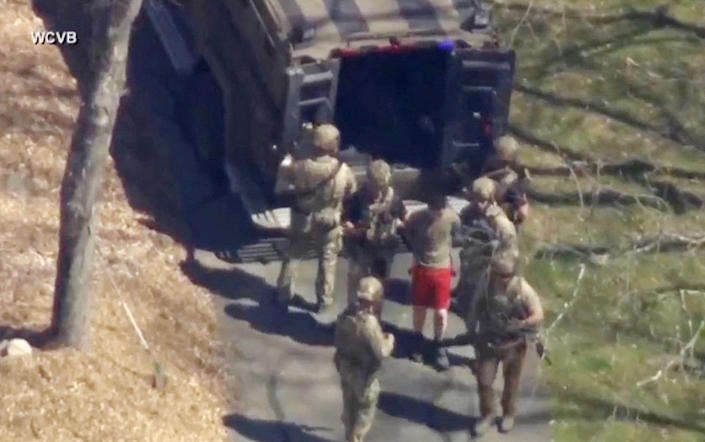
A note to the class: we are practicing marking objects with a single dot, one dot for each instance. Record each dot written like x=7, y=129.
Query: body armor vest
x=378, y=219
x=353, y=346
x=501, y=308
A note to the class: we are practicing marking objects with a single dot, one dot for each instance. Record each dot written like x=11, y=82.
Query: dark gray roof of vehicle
x=338, y=21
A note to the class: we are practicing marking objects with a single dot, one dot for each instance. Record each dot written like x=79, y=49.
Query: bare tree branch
x=677, y=360
x=665, y=242
x=568, y=305
x=606, y=197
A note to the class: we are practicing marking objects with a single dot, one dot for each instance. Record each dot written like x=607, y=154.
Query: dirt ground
x=104, y=393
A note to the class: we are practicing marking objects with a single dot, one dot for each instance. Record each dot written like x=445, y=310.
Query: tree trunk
x=111, y=23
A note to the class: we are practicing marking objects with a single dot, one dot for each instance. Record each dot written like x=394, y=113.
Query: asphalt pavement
x=287, y=386
x=285, y=383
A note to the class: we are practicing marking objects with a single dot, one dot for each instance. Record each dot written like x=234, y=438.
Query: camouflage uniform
x=500, y=339
x=360, y=348
x=318, y=187
x=486, y=233
x=501, y=167
x=376, y=219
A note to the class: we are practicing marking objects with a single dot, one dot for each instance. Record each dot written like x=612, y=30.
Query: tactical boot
x=280, y=305
x=417, y=348
x=440, y=358
x=506, y=424
x=483, y=426
x=454, y=306
x=459, y=306
x=324, y=305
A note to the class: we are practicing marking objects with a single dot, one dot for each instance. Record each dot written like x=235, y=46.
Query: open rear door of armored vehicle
x=420, y=83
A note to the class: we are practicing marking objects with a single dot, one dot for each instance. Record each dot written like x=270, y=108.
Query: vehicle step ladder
x=311, y=96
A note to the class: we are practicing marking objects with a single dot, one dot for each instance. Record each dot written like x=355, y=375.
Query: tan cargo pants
x=473, y=267
x=359, y=407
x=487, y=363
x=327, y=245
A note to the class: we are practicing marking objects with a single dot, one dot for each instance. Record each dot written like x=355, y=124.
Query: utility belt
x=495, y=342
x=323, y=220
x=388, y=242
x=504, y=343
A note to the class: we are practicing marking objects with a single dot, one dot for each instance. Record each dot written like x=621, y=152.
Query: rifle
x=471, y=338
x=467, y=338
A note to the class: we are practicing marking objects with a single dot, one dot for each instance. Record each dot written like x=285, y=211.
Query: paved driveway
x=287, y=384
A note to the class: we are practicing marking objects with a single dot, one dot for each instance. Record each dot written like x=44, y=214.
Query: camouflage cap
x=379, y=172
x=483, y=189
x=369, y=289
x=506, y=148
x=326, y=138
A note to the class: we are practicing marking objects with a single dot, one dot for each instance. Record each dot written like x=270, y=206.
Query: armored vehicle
x=420, y=83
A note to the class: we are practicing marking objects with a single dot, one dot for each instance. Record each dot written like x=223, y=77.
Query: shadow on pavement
x=404, y=345
x=231, y=283
x=299, y=326
x=422, y=412
x=397, y=290
x=272, y=431
x=404, y=340
x=237, y=284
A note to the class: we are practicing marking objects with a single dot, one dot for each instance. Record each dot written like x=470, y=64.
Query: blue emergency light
x=446, y=45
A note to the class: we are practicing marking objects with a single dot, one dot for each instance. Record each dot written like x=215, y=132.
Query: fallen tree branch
x=521, y=22
x=635, y=168
x=685, y=288
x=665, y=194
x=666, y=242
x=676, y=360
x=604, y=198
x=680, y=200
x=550, y=251
x=546, y=145
x=599, y=108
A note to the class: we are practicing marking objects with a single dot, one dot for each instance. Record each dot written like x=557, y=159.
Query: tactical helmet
x=326, y=138
x=484, y=189
x=370, y=289
x=380, y=173
x=506, y=148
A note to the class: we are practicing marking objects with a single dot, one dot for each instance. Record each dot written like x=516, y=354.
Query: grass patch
x=607, y=81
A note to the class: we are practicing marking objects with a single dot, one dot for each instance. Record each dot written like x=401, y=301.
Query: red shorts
x=430, y=287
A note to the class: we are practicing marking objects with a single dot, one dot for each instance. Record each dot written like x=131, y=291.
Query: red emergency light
x=395, y=47
x=486, y=126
